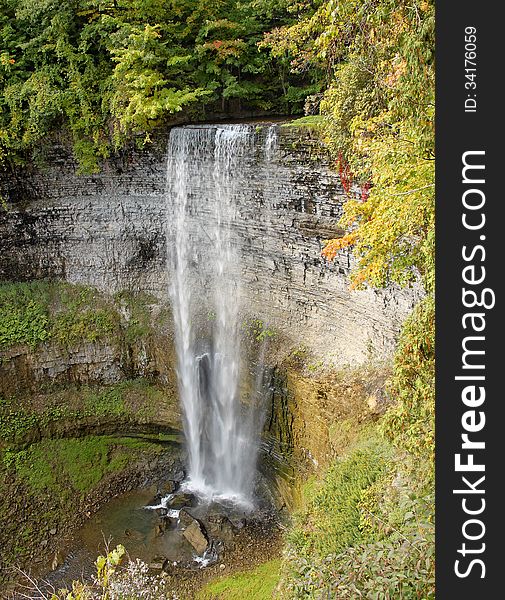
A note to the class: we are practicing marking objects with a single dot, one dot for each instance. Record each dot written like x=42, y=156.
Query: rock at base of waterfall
x=167, y=487
x=220, y=526
x=239, y=523
x=158, y=563
x=196, y=536
x=179, y=476
x=160, y=528
x=185, y=518
x=181, y=500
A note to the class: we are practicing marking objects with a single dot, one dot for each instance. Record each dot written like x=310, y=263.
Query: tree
x=105, y=71
x=378, y=105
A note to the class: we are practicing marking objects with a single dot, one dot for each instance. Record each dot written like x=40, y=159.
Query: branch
x=424, y=187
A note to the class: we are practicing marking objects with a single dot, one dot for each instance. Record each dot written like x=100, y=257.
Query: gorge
x=220, y=226
x=217, y=316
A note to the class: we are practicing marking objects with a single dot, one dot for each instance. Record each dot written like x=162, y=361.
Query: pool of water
x=123, y=520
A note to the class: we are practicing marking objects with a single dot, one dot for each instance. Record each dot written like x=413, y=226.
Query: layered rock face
x=109, y=231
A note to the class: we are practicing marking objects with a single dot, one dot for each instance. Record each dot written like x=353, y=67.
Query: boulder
x=220, y=526
x=240, y=523
x=179, y=476
x=158, y=563
x=196, y=536
x=185, y=518
x=181, y=500
x=167, y=487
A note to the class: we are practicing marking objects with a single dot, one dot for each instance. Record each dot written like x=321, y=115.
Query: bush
x=410, y=424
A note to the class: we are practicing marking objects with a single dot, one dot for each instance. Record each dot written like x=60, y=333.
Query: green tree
x=103, y=71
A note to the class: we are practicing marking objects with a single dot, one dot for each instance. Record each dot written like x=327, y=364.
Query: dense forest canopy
x=107, y=69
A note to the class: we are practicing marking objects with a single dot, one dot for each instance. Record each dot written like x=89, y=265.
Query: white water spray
x=204, y=172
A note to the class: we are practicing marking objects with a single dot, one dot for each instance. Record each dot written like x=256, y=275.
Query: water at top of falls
x=205, y=175
x=271, y=142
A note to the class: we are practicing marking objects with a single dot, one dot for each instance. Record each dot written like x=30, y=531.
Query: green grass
x=257, y=584
x=108, y=402
x=137, y=398
x=330, y=521
x=24, y=315
x=310, y=121
x=136, y=305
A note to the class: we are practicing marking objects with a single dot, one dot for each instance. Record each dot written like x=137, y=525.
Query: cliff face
x=108, y=231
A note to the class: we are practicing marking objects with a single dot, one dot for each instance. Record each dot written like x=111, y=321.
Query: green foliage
x=107, y=567
x=410, y=424
x=258, y=330
x=16, y=421
x=366, y=532
x=107, y=402
x=89, y=325
x=35, y=312
x=259, y=583
x=128, y=399
x=24, y=317
x=138, y=320
x=141, y=91
x=53, y=465
x=107, y=71
x=331, y=522
x=378, y=108
x=315, y=121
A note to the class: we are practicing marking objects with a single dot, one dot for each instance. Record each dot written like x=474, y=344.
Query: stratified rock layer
x=108, y=231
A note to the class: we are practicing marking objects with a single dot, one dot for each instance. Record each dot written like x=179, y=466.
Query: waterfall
x=271, y=142
x=204, y=178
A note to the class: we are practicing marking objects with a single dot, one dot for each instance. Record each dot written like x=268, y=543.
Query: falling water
x=204, y=177
x=271, y=142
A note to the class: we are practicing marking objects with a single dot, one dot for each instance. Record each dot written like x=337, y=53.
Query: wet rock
x=180, y=476
x=170, y=522
x=240, y=523
x=196, y=536
x=181, y=500
x=185, y=518
x=167, y=487
x=160, y=528
x=219, y=525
